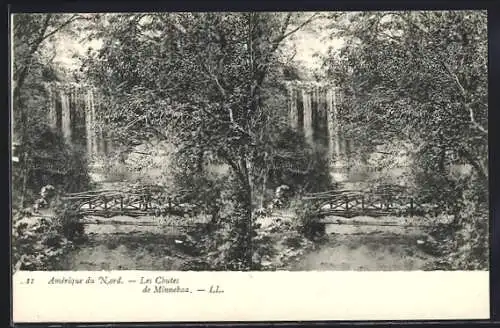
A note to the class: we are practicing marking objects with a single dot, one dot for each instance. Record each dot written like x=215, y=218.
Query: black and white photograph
x=250, y=141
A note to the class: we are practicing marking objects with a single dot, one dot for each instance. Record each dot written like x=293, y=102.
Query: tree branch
x=464, y=95
x=225, y=156
x=60, y=27
x=284, y=35
x=214, y=78
x=285, y=24
x=455, y=80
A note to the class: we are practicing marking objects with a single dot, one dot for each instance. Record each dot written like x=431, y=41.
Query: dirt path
x=346, y=247
x=382, y=249
x=136, y=251
x=358, y=251
x=131, y=247
x=144, y=246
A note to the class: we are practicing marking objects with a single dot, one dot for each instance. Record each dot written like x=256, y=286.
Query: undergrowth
x=40, y=240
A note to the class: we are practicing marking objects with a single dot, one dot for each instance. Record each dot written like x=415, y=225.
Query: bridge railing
x=350, y=203
x=132, y=202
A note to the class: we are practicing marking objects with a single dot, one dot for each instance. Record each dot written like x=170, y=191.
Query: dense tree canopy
x=202, y=81
x=212, y=85
x=43, y=156
x=420, y=77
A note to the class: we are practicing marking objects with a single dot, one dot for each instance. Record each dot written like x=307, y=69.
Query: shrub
x=299, y=165
x=470, y=249
x=45, y=158
x=69, y=222
x=464, y=244
x=232, y=243
x=308, y=220
x=40, y=241
x=37, y=243
x=225, y=241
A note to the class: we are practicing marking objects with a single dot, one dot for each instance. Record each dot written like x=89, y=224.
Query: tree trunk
x=264, y=188
x=247, y=224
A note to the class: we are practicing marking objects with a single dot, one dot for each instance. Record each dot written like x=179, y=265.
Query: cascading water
x=88, y=122
x=292, y=104
x=72, y=110
x=308, y=119
x=336, y=125
x=65, y=116
x=52, y=109
x=332, y=147
x=94, y=149
x=319, y=104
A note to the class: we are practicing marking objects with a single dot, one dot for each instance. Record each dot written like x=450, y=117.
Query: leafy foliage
x=47, y=159
x=37, y=243
x=421, y=78
x=41, y=239
x=297, y=164
x=43, y=157
x=69, y=222
x=309, y=222
x=201, y=81
x=464, y=245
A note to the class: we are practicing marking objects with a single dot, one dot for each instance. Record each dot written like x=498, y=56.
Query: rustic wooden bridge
x=156, y=201
x=133, y=202
x=374, y=203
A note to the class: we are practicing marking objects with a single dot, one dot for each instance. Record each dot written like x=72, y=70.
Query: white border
x=255, y=296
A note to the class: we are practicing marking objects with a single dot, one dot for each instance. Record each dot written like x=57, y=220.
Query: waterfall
x=65, y=116
x=52, y=108
x=313, y=107
x=331, y=124
x=336, y=124
x=102, y=142
x=292, y=107
x=93, y=134
x=308, y=119
x=316, y=101
x=71, y=110
x=88, y=122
